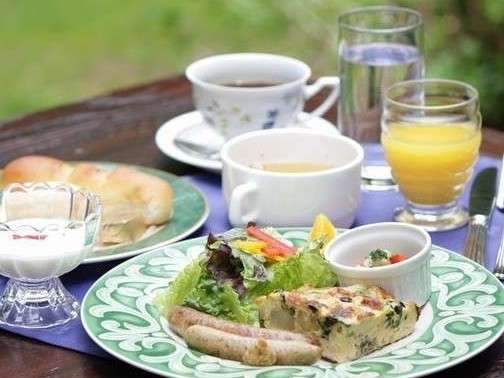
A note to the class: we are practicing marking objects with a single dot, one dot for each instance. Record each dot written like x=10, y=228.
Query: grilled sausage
x=251, y=350
x=181, y=317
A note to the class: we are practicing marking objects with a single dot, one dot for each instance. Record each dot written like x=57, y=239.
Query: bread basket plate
x=464, y=316
x=190, y=211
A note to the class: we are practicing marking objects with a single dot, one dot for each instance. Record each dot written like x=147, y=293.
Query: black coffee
x=250, y=83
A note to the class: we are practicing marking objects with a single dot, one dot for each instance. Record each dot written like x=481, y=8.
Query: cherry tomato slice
x=397, y=257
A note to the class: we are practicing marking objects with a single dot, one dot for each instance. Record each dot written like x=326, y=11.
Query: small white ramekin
x=408, y=280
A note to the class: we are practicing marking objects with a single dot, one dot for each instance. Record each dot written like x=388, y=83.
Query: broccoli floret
x=377, y=257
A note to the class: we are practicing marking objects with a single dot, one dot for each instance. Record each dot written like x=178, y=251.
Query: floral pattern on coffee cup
x=270, y=122
x=221, y=116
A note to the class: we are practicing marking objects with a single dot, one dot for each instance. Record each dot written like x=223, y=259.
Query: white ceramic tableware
x=234, y=110
x=190, y=128
x=408, y=280
x=291, y=199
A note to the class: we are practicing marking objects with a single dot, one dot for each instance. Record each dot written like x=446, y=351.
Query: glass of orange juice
x=431, y=133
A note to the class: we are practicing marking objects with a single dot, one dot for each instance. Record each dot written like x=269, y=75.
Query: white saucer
x=190, y=129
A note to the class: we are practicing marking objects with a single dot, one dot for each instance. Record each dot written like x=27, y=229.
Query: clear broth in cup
x=292, y=167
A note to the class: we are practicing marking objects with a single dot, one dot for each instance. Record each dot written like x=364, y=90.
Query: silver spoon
x=197, y=149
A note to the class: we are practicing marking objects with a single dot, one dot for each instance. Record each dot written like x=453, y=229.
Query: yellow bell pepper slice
x=255, y=248
x=250, y=246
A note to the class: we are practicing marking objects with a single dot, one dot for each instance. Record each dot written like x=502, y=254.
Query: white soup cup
x=291, y=199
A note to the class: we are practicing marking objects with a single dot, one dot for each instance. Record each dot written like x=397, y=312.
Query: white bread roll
x=36, y=169
x=154, y=193
x=149, y=195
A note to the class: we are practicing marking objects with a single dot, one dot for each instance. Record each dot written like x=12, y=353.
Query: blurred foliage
x=56, y=51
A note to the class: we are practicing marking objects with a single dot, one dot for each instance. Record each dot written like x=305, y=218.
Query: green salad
x=232, y=272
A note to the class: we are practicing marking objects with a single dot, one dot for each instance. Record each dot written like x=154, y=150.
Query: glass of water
x=377, y=47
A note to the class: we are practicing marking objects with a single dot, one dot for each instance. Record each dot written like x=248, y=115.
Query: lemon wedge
x=322, y=228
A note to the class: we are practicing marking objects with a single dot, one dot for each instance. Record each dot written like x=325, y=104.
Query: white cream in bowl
x=28, y=253
x=408, y=280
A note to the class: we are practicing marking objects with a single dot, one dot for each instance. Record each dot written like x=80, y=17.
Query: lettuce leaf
x=315, y=270
x=224, y=267
x=177, y=291
x=221, y=300
x=253, y=269
x=308, y=267
x=225, y=281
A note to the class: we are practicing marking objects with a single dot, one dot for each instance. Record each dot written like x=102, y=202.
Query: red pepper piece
x=273, y=243
x=272, y=251
x=397, y=257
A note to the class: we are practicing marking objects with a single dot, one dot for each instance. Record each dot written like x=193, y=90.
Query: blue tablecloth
x=375, y=207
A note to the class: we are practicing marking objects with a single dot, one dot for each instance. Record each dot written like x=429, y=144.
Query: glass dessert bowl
x=46, y=230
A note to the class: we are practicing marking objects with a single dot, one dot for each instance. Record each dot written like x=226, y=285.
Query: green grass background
x=57, y=51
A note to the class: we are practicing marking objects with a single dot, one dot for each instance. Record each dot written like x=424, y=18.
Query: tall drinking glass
x=431, y=133
x=377, y=47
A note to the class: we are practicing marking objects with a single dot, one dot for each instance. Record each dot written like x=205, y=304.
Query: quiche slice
x=349, y=322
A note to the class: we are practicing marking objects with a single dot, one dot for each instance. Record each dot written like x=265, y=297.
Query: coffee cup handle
x=312, y=89
x=238, y=197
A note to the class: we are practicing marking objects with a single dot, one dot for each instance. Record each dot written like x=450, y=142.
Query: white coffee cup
x=291, y=199
x=234, y=110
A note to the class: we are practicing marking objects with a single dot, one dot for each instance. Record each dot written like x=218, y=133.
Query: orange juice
x=431, y=162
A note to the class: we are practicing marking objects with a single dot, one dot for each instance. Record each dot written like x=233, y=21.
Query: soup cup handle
x=313, y=89
x=239, y=196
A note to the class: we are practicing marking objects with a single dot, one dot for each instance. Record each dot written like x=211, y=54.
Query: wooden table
x=120, y=127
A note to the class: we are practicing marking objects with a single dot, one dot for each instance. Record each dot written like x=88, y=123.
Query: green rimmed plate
x=464, y=316
x=190, y=211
